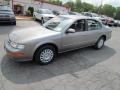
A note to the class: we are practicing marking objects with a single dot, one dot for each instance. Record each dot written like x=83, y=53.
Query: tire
x=13, y=23
x=45, y=54
x=42, y=20
x=100, y=43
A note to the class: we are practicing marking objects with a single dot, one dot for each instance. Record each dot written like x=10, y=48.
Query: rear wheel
x=100, y=43
x=45, y=55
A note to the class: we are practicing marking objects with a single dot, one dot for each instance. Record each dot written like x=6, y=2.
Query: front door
x=77, y=39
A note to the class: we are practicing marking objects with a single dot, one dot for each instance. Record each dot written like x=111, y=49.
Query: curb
x=25, y=19
x=28, y=19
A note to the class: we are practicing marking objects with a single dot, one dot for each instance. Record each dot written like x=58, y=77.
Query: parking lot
x=83, y=69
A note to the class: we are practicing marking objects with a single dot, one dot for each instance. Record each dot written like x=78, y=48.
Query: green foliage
x=117, y=16
x=108, y=10
x=87, y=7
x=79, y=6
x=30, y=11
x=56, y=2
x=71, y=5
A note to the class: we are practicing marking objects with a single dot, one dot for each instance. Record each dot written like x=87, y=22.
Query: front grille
x=4, y=16
x=4, y=19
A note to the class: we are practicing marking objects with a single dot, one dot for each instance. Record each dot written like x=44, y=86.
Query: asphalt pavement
x=83, y=69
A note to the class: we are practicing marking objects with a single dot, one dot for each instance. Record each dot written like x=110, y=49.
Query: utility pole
x=100, y=7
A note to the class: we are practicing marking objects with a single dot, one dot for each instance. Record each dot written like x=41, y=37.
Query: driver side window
x=78, y=25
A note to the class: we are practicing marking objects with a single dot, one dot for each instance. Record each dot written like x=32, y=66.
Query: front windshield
x=57, y=23
x=45, y=11
x=5, y=8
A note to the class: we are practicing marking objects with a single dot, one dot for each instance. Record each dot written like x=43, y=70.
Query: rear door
x=94, y=31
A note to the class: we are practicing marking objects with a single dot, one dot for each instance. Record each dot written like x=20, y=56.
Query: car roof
x=44, y=9
x=76, y=16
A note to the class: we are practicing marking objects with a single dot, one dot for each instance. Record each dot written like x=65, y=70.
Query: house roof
x=44, y=1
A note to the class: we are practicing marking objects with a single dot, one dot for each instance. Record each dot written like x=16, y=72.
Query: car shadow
x=66, y=63
x=3, y=27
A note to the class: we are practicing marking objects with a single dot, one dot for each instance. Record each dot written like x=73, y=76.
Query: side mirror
x=70, y=30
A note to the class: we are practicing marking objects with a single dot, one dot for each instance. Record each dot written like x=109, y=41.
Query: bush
x=30, y=11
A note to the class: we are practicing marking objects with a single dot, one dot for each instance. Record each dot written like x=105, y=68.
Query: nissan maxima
x=60, y=34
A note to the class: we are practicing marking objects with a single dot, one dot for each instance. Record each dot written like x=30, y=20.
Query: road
x=83, y=69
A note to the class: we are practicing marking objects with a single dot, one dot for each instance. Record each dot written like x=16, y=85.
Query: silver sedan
x=60, y=34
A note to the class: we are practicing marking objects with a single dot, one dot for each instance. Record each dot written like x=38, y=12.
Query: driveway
x=83, y=69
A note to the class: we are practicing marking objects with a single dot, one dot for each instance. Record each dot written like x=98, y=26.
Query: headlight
x=18, y=46
x=46, y=18
x=12, y=16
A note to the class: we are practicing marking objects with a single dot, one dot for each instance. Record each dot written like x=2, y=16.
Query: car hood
x=28, y=34
x=6, y=12
x=48, y=15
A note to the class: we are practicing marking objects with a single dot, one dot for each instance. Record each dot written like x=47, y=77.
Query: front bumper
x=15, y=54
x=9, y=20
x=47, y=18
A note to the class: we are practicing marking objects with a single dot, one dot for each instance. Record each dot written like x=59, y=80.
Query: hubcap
x=46, y=55
x=100, y=43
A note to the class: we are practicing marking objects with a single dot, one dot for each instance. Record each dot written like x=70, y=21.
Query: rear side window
x=94, y=25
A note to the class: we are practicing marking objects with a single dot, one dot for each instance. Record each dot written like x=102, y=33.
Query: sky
x=98, y=2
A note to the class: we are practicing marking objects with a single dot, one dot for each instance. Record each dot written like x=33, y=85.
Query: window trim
x=95, y=21
x=78, y=20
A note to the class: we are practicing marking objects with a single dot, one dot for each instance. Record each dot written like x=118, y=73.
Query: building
x=4, y=2
x=1, y=1
x=23, y=5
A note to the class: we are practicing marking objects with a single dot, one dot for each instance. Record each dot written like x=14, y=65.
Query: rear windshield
x=5, y=8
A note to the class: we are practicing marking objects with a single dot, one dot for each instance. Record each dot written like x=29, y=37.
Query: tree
x=117, y=13
x=77, y=6
x=108, y=10
x=55, y=2
x=88, y=7
x=30, y=11
x=70, y=4
x=96, y=9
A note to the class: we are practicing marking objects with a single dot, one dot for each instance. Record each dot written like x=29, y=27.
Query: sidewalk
x=24, y=18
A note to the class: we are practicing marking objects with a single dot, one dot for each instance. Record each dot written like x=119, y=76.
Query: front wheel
x=13, y=23
x=100, y=43
x=34, y=17
x=45, y=54
x=42, y=20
